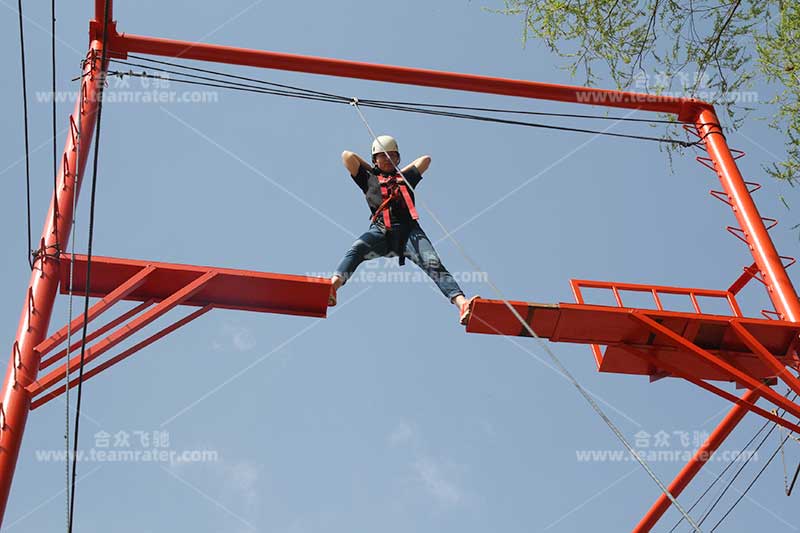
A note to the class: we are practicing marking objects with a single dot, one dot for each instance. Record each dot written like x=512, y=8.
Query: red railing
x=656, y=291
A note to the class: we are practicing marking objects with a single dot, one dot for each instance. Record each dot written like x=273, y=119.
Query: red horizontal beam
x=243, y=290
x=737, y=375
x=612, y=326
x=55, y=393
x=686, y=109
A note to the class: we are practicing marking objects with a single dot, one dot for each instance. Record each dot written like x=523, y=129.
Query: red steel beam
x=41, y=292
x=95, y=310
x=121, y=334
x=245, y=290
x=687, y=109
x=93, y=335
x=735, y=374
x=38, y=402
x=678, y=372
x=741, y=281
x=763, y=354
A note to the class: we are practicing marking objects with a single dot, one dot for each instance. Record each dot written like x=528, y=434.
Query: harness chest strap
x=390, y=190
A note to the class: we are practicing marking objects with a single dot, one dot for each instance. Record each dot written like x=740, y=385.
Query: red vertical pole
x=766, y=257
x=23, y=365
x=779, y=287
x=100, y=10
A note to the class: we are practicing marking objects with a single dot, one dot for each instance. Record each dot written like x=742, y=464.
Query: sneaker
x=466, y=311
x=332, y=297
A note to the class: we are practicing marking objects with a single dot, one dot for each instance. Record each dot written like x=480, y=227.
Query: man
x=394, y=229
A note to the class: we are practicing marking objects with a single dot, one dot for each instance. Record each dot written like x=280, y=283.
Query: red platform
x=161, y=287
x=244, y=290
x=617, y=329
x=696, y=347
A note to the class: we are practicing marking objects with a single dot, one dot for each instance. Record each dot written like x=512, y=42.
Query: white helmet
x=384, y=143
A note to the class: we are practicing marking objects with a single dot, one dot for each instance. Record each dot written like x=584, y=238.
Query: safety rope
x=783, y=461
x=25, y=122
x=57, y=245
x=787, y=487
x=55, y=135
x=719, y=476
x=100, y=86
x=747, y=489
x=794, y=480
x=556, y=361
x=708, y=511
x=728, y=467
x=70, y=291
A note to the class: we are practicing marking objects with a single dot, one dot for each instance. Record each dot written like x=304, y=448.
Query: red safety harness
x=391, y=190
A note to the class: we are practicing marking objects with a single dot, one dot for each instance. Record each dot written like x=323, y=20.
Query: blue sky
x=385, y=416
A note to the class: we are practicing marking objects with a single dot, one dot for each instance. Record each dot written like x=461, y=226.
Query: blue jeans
x=374, y=243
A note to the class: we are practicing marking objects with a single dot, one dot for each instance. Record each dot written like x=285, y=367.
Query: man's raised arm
x=353, y=162
x=422, y=164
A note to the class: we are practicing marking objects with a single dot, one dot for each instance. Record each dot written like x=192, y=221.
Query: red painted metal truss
x=161, y=287
x=696, y=346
